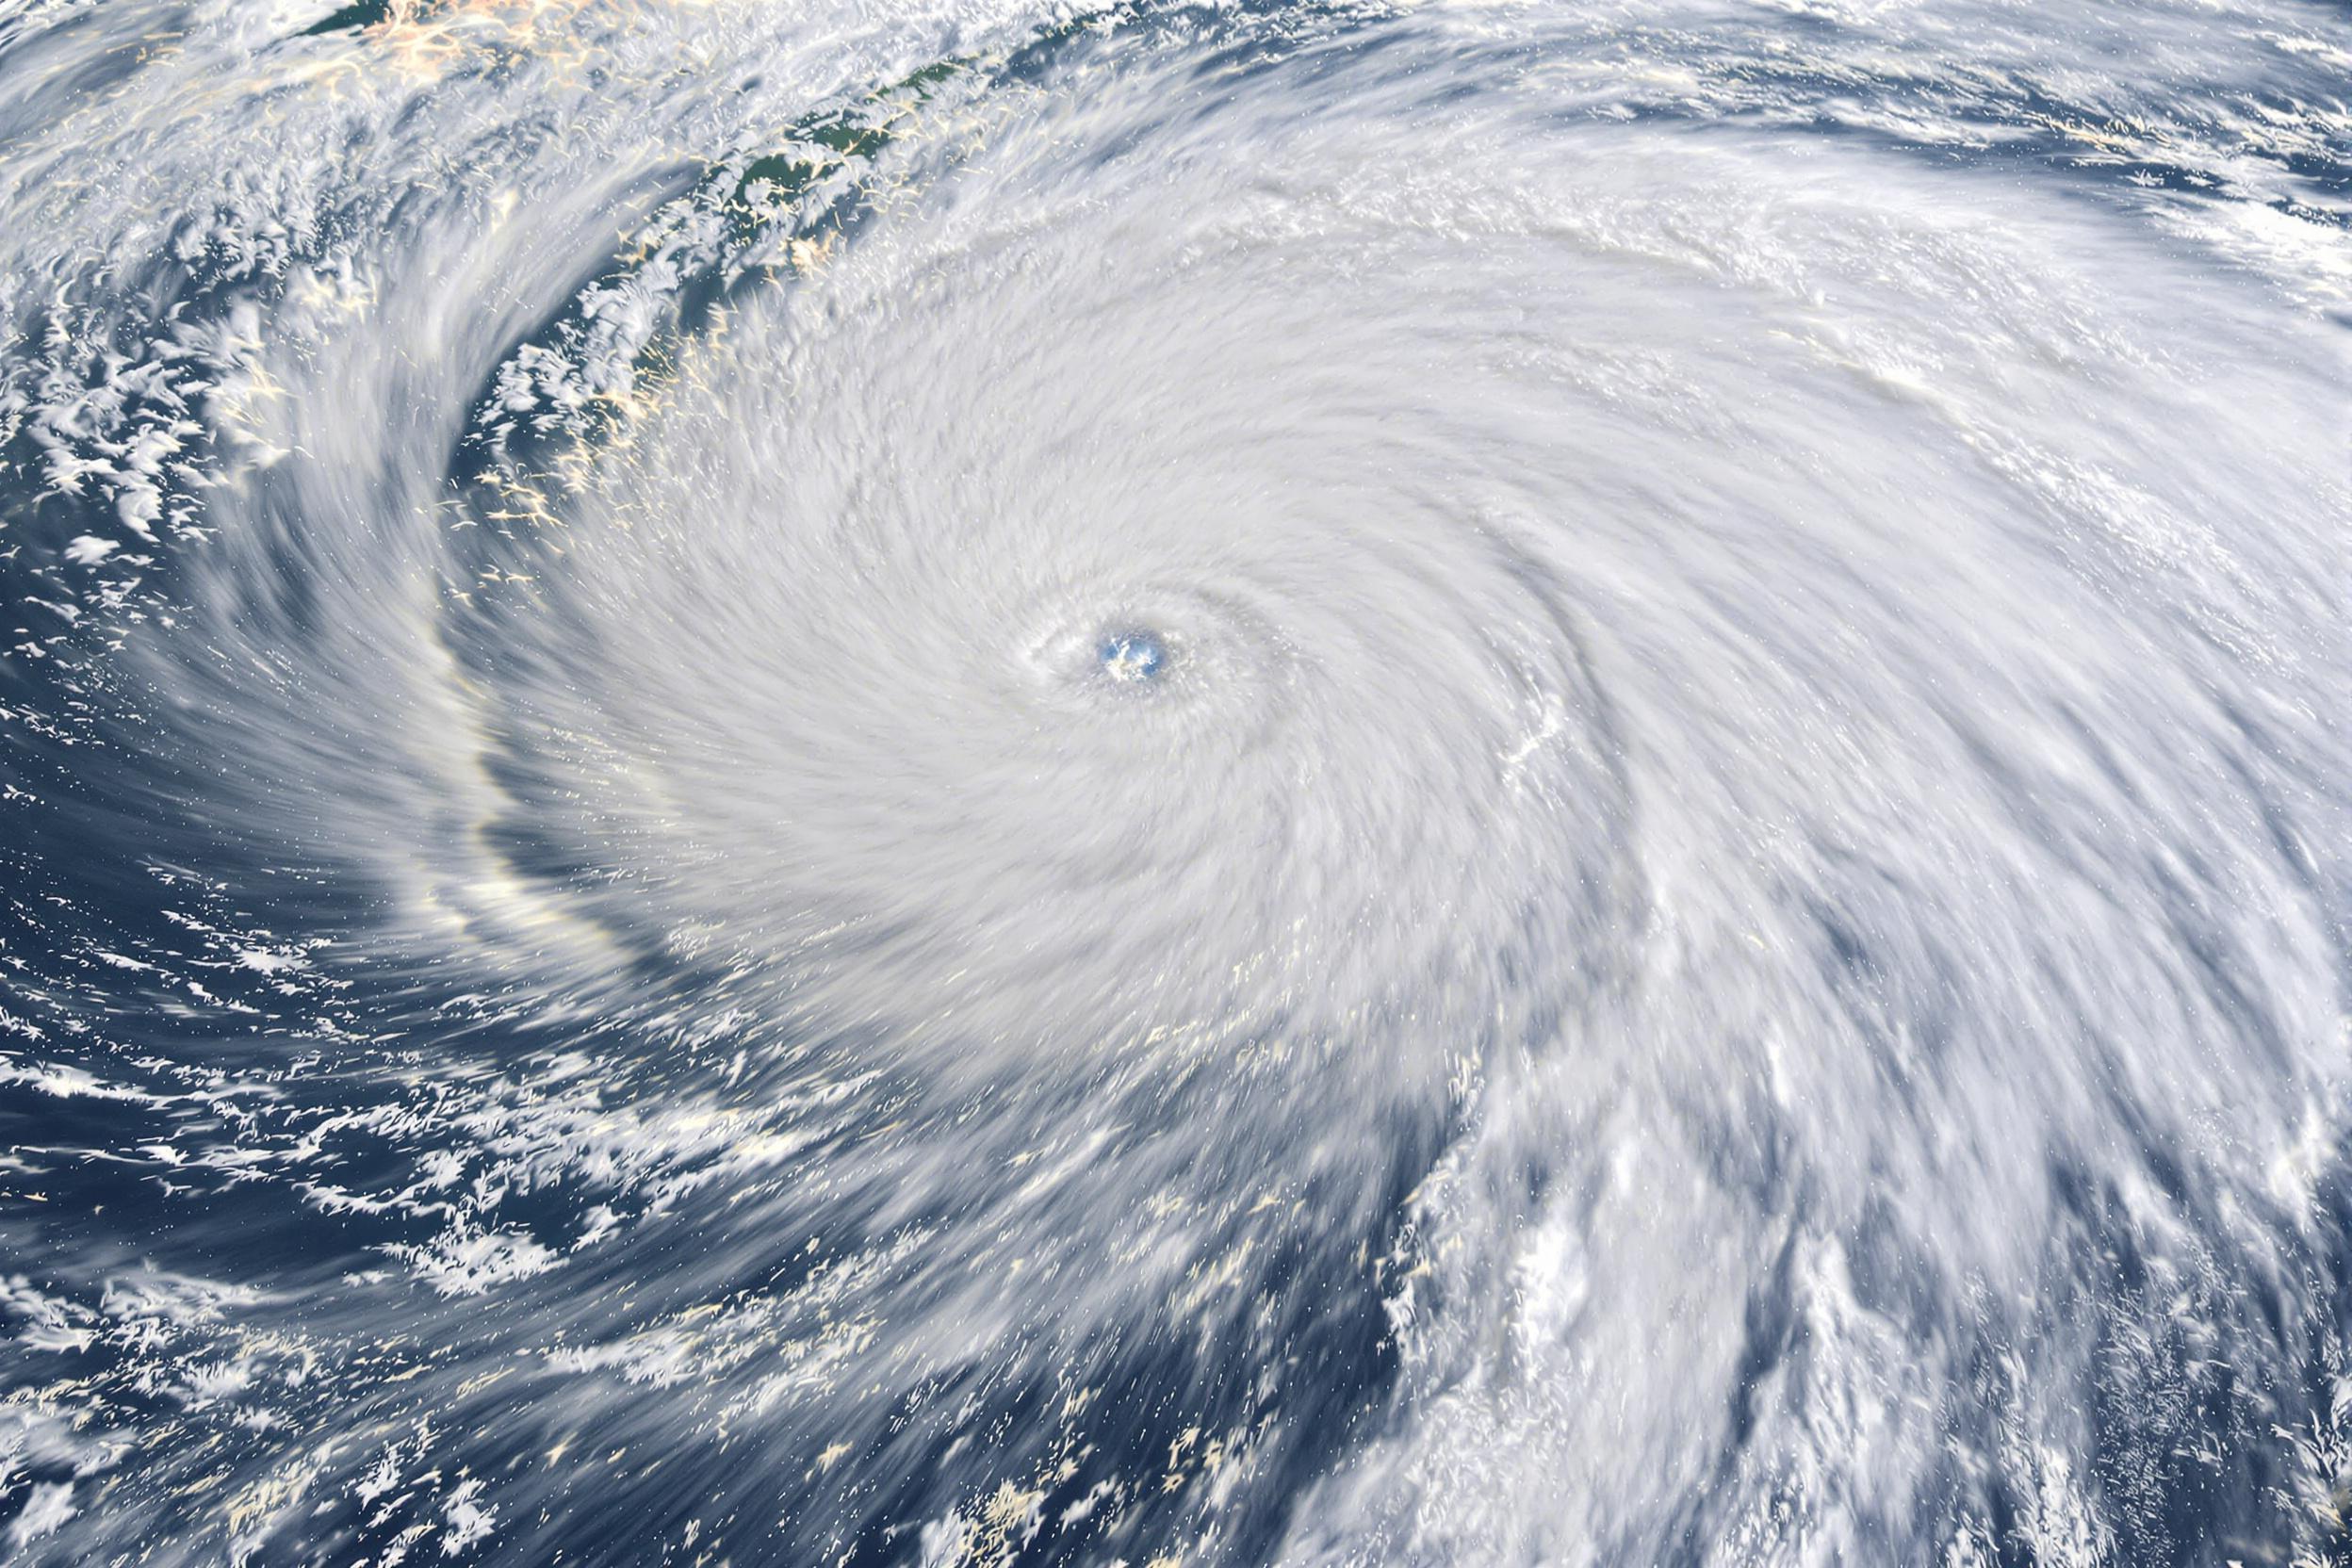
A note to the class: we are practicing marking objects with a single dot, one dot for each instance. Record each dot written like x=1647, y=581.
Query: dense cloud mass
x=950, y=783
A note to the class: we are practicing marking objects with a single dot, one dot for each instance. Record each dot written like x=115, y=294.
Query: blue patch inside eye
x=1133, y=656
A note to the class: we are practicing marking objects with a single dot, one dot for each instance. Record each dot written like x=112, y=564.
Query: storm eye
x=1132, y=657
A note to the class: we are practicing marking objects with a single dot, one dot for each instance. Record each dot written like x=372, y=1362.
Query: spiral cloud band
x=1375, y=783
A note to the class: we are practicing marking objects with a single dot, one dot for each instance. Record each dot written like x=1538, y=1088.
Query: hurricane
x=965, y=783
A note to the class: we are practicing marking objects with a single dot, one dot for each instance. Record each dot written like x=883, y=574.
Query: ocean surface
x=959, y=783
